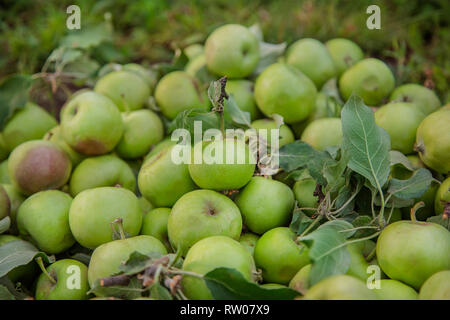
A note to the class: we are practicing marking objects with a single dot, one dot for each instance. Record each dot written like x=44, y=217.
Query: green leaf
x=87, y=37
x=5, y=223
x=214, y=92
x=268, y=54
x=16, y=290
x=186, y=119
x=396, y=157
x=413, y=187
x=157, y=291
x=365, y=144
x=13, y=95
x=300, y=221
x=138, y=262
x=441, y=219
x=326, y=250
x=229, y=284
x=363, y=221
x=17, y=253
x=131, y=291
x=5, y=294
x=236, y=114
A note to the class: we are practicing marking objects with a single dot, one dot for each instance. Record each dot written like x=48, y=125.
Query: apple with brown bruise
x=5, y=205
x=38, y=165
x=91, y=123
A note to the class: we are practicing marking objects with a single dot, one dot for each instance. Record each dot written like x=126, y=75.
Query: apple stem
x=119, y=222
x=414, y=209
x=41, y=265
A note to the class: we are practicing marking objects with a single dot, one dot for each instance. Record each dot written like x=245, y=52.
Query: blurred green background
x=414, y=37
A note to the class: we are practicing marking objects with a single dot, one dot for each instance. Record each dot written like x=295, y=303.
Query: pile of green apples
x=106, y=165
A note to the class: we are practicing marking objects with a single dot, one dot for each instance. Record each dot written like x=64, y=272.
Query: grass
x=414, y=36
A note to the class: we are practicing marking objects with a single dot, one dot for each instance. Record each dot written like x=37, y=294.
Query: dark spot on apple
x=91, y=147
x=43, y=168
x=210, y=210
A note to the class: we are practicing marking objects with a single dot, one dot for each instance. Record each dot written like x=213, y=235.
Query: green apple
x=265, y=204
x=24, y=273
x=194, y=50
x=242, y=92
x=371, y=79
x=400, y=120
x=433, y=141
x=197, y=68
x=107, y=258
x=423, y=97
x=358, y=264
x=155, y=223
x=163, y=182
x=395, y=290
x=54, y=135
x=150, y=76
x=29, y=123
x=93, y=210
x=15, y=200
x=177, y=91
x=4, y=175
x=164, y=144
x=344, y=53
x=4, y=152
x=442, y=197
x=225, y=164
x=91, y=123
x=208, y=213
x=340, y=287
x=284, y=90
x=5, y=203
x=312, y=58
x=128, y=90
x=300, y=281
x=285, y=133
x=279, y=256
x=209, y=254
x=436, y=287
x=65, y=279
x=427, y=252
x=323, y=133
x=143, y=129
x=145, y=205
x=248, y=241
x=232, y=50
x=102, y=171
x=38, y=165
x=43, y=218
x=304, y=193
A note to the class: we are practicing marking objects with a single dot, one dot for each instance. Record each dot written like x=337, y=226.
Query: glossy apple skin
x=279, y=256
x=44, y=219
x=93, y=210
x=163, y=182
x=177, y=91
x=284, y=90
x=164, y=144
x=323, y=133
x=61, y=271
x=426, y=99
x=208, y=213
x=143, y=129
x=232, y=50
x=91, y=123
x=126, y=89
x=340, y=287
x=155, y=223
x=265, y=204
x=436, y=287
x=106, y=258
x=442, y=196
x=102, y=171
x=224, y=175
x=285, y=133
x=300, y=281
x=427, y=252
x=24, y=273
x=344, y=53
x=395, y=290
x=38, y=165
x=400, y=120
x=242, y=92
x=209, y=254
x=370, y=78
x=248, y=241
x=29, y=123
x=312, y=58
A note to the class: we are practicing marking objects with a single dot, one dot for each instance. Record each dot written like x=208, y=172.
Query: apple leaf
x=138, y=262
x=5, y=294
x=442, y=219
x=327, y=251
x=229, y=284
x=364, y=143
x=300, y=221
x=17, y=253
x=5, y=223
x=187, y=118
x=413, y=187
x=131, y=291
x=236, y=114
x=396, y=157
x=88, y=37
x=13, y=95
x=268, y=54
x=159, y=292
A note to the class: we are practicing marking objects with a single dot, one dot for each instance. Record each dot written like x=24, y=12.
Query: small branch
x=120, y=280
